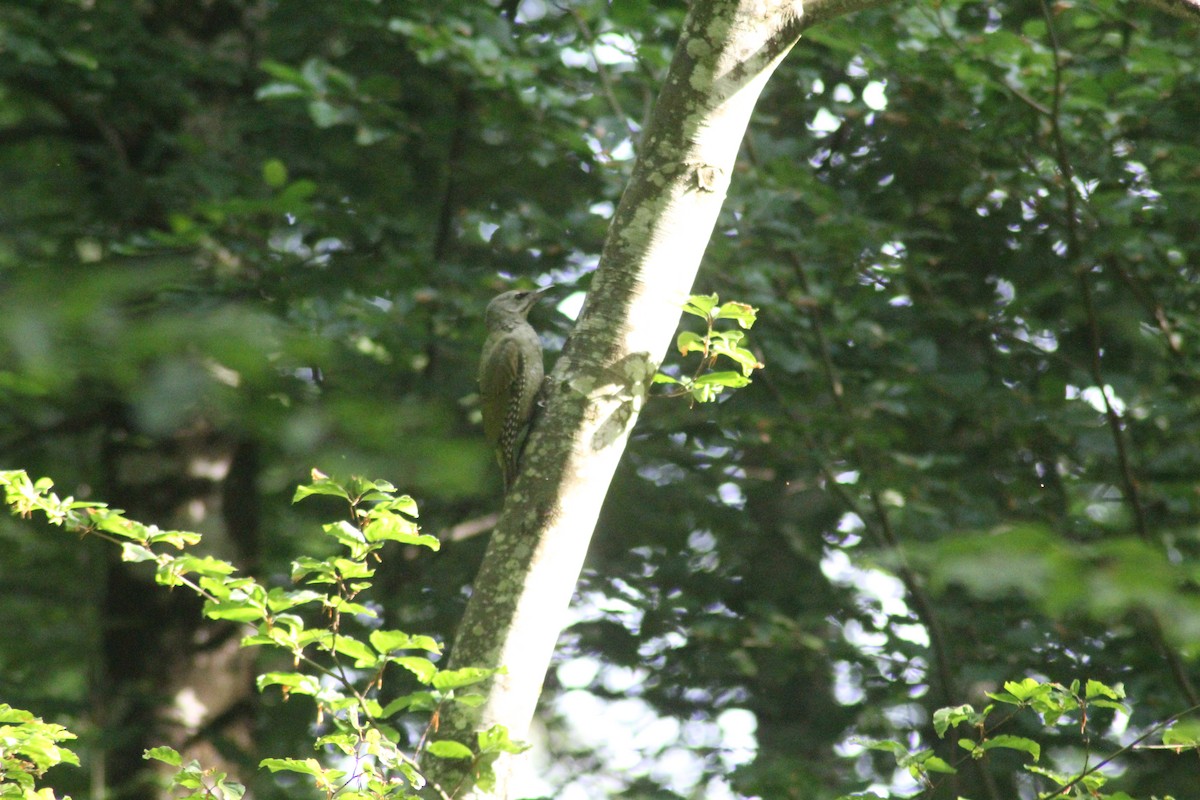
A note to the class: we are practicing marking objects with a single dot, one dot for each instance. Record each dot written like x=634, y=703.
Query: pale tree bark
x=727, y=51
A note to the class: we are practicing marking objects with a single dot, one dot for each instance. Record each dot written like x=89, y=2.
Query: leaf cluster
x=705, y=384
x=28, y=747
x=337, y=662
x=977, y=731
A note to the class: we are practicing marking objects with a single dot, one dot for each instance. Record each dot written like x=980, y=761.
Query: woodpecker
x=510, y=376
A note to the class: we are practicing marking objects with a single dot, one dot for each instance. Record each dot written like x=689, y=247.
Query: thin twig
x=1152, y=306
x=1017, y=92
x=1062, y=790
x=606, y=83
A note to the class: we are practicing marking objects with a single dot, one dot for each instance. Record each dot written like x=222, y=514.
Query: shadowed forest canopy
x=240, y=239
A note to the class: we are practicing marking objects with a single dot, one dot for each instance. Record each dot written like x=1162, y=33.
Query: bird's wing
x=503, y=367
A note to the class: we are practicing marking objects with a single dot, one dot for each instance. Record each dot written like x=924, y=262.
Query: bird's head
x=515, y=303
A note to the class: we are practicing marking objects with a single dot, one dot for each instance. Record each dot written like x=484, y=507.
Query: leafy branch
x=704, y=384
x=1055, y=704
x=28, y=747
x=343, y=672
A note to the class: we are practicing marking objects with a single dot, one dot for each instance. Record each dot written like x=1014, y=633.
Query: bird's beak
x=536, y=295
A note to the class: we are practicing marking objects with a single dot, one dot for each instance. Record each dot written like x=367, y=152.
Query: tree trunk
x=726, y=53
x=171, y=677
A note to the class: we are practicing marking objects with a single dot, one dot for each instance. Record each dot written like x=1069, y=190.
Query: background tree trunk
x=171, y=677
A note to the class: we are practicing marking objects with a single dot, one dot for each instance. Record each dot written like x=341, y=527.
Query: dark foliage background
x=242, y=238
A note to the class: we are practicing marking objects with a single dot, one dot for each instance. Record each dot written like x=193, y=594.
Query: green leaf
x=135, y=553
x=726, y=338
x=423, y=668
x=177, y=539
x=346, y=741
x=403, y=504
x=946, y=718
x=416, y=701
x=345, y=533
x=329, y=571
x=1061, y=778
x=325, y=114
x=293, y=681
x=1014, y=743
x=496, y=740
x=206, y=566
x=281, y=71
x=275, y=175
x=8, y=714
x=445, y=748
x=167, y=755
x=230, y=790
x=279, y=599
x=886, y=745
x=936, y=764
x=743, y=313
x=364, y=656
x=190, y=776
x=728, y=347
x=321, y=486
x=234, y=611
x=294, y=195
x=689, y=342
x=456, y=678
x=701, y=305
x=1016, y=692
x=1122, y=707
x=111, y=521
x=1097, y=689
x=308, y=766
x=395, y=528
x=1182, y=734
x=705, y=392
x=385, y=642
x=343, y=606
x=733, y=380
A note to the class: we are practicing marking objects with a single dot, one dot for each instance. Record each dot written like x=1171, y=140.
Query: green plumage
x=510, y=377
